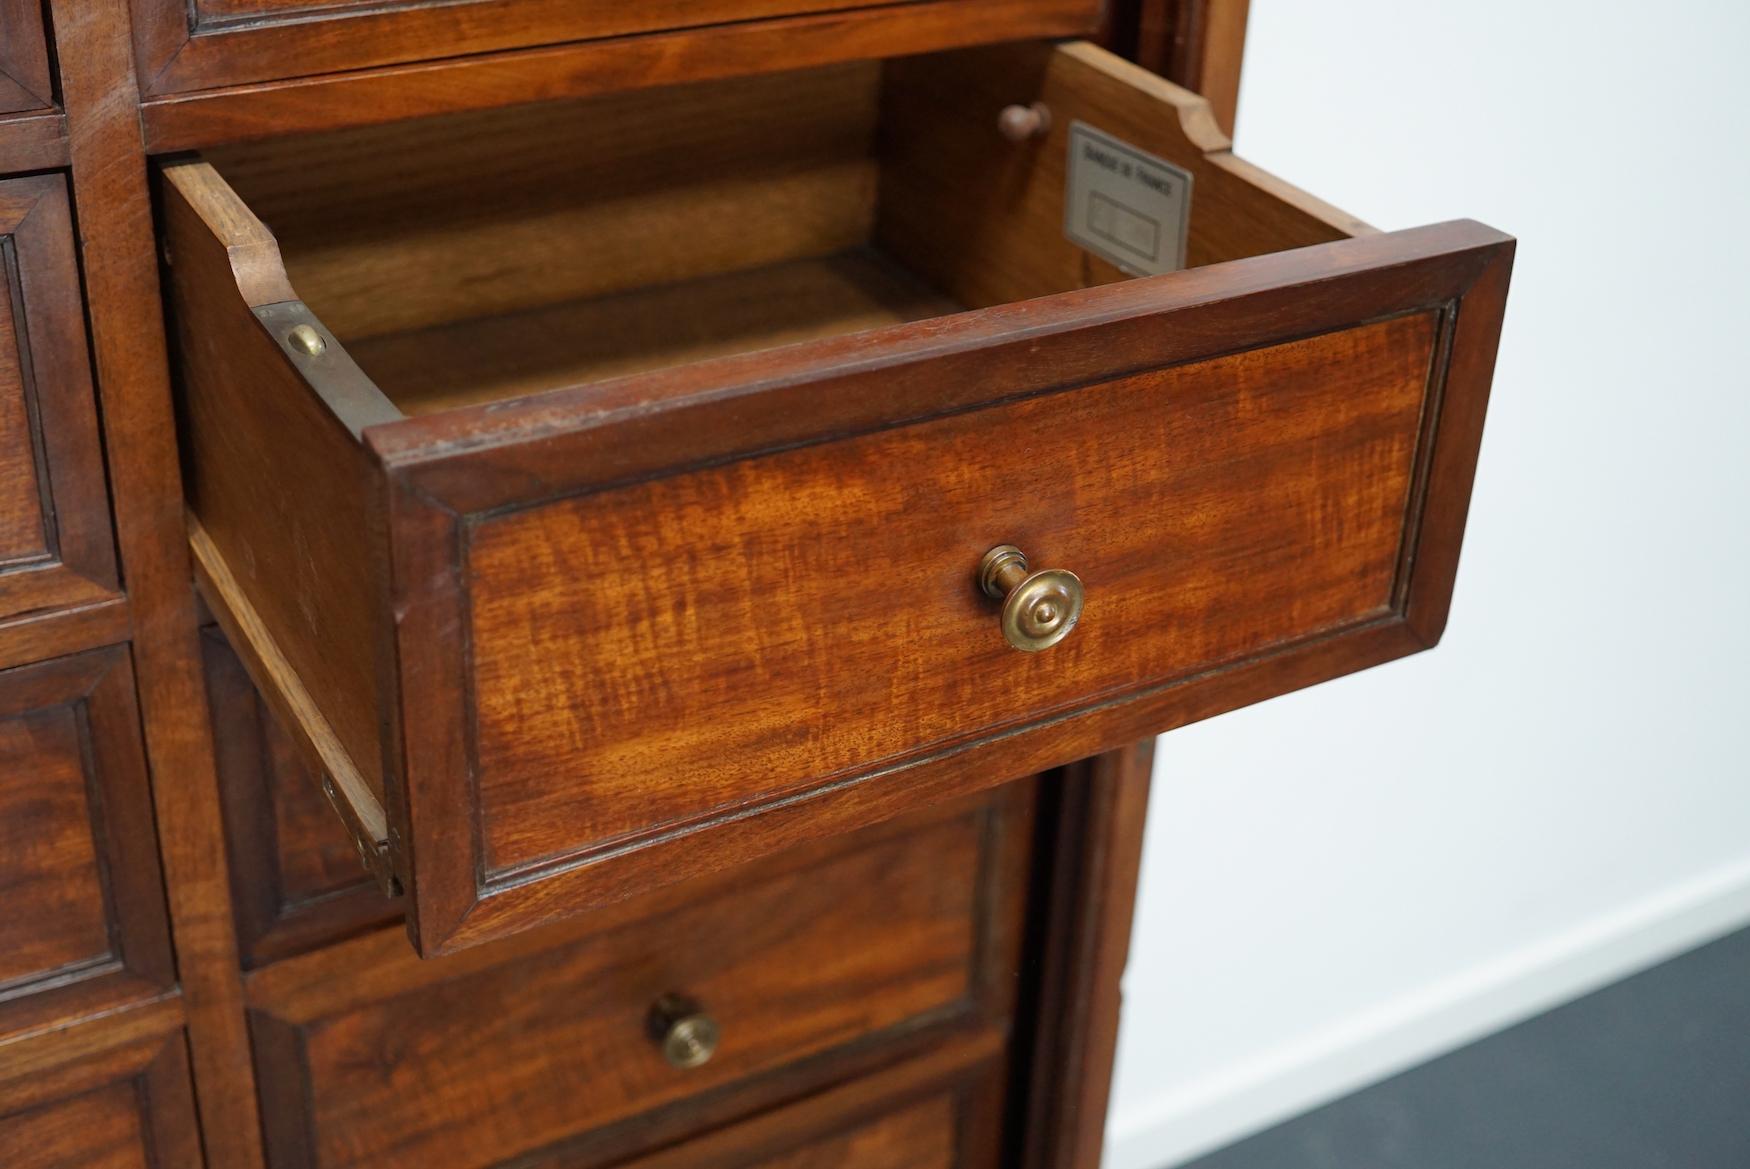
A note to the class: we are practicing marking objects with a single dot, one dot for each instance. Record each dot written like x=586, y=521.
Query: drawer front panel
x=941, y=1111
x=56, y=549
x=84, y=926
x=466, y=1061
x=129, y=1108
x=1259, y=470
x=705, y=625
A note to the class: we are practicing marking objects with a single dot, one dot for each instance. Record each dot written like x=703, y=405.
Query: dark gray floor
x=1650, y=1073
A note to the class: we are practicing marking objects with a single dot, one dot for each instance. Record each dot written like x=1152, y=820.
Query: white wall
x=1345, y=881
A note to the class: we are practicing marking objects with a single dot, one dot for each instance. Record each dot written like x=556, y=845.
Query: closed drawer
x=937, y=1112
x=809, y=967
x=56, y=549
x=121, y=1103
x=613, y=513
x=84, y=929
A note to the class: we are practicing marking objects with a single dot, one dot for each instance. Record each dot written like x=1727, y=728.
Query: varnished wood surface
x=125, y=1106
x=996, y=364
x=56, y=546
x=102, y=1078
x=25, y=83
x=548, y=766
x=120, y=270
x=1098, y=808
x=1197, y=43
x=238, y=42
x=576, y=342
x=982, y=217
x=928, y=1113
x=366, y=1061
x=33, y=141
x=576, y=200
x=269, y=467
x=296, y=878
x=84, y=927
x=609, y=646
x=370, y=96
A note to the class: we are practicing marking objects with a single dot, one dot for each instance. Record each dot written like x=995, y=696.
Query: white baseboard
x=1369, y=1047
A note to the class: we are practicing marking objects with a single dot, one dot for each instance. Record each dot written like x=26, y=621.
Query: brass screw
x=306, y=340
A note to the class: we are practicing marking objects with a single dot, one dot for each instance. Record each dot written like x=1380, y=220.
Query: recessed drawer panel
x=720, y=996
x=117, y=1105
x=56, y=549
x=940, y=1111
x=781, y=464
x=84, y=928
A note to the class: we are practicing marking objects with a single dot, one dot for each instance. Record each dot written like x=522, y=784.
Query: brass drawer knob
x=1039, y=608
x=687, y=1035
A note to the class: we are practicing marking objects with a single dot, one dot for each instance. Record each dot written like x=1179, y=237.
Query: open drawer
x=601, y=489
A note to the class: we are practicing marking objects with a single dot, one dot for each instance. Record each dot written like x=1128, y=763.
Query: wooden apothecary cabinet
x=708, y=505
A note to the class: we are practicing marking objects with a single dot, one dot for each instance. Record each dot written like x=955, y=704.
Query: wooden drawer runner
x=811, y=964
x=632, y=527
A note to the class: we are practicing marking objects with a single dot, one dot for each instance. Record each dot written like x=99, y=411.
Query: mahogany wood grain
x=573, y=342
x=208, y=44
x=982, y=217
x=371, y=96
x=793, y=398
x=25, y=83
x=1099, y=808
x=924, y=1114
x=308, y=571
x=296, y=880
x=84, y=928
x=33, y=141
x=371, y=1061
x=518, y=765
x=113, y=210
x=57, y=550
x=707, y=652
x=578, y=199
x=126, y=1106
x=1197, y=43
x=34, y=637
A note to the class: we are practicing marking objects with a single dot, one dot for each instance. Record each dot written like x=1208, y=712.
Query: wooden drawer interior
x=469, y=259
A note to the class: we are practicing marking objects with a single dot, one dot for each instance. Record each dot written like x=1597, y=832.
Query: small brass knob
x=687, y=1035
x=1039, y=608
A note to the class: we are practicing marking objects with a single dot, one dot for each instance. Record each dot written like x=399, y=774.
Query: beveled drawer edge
x=342, y=784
